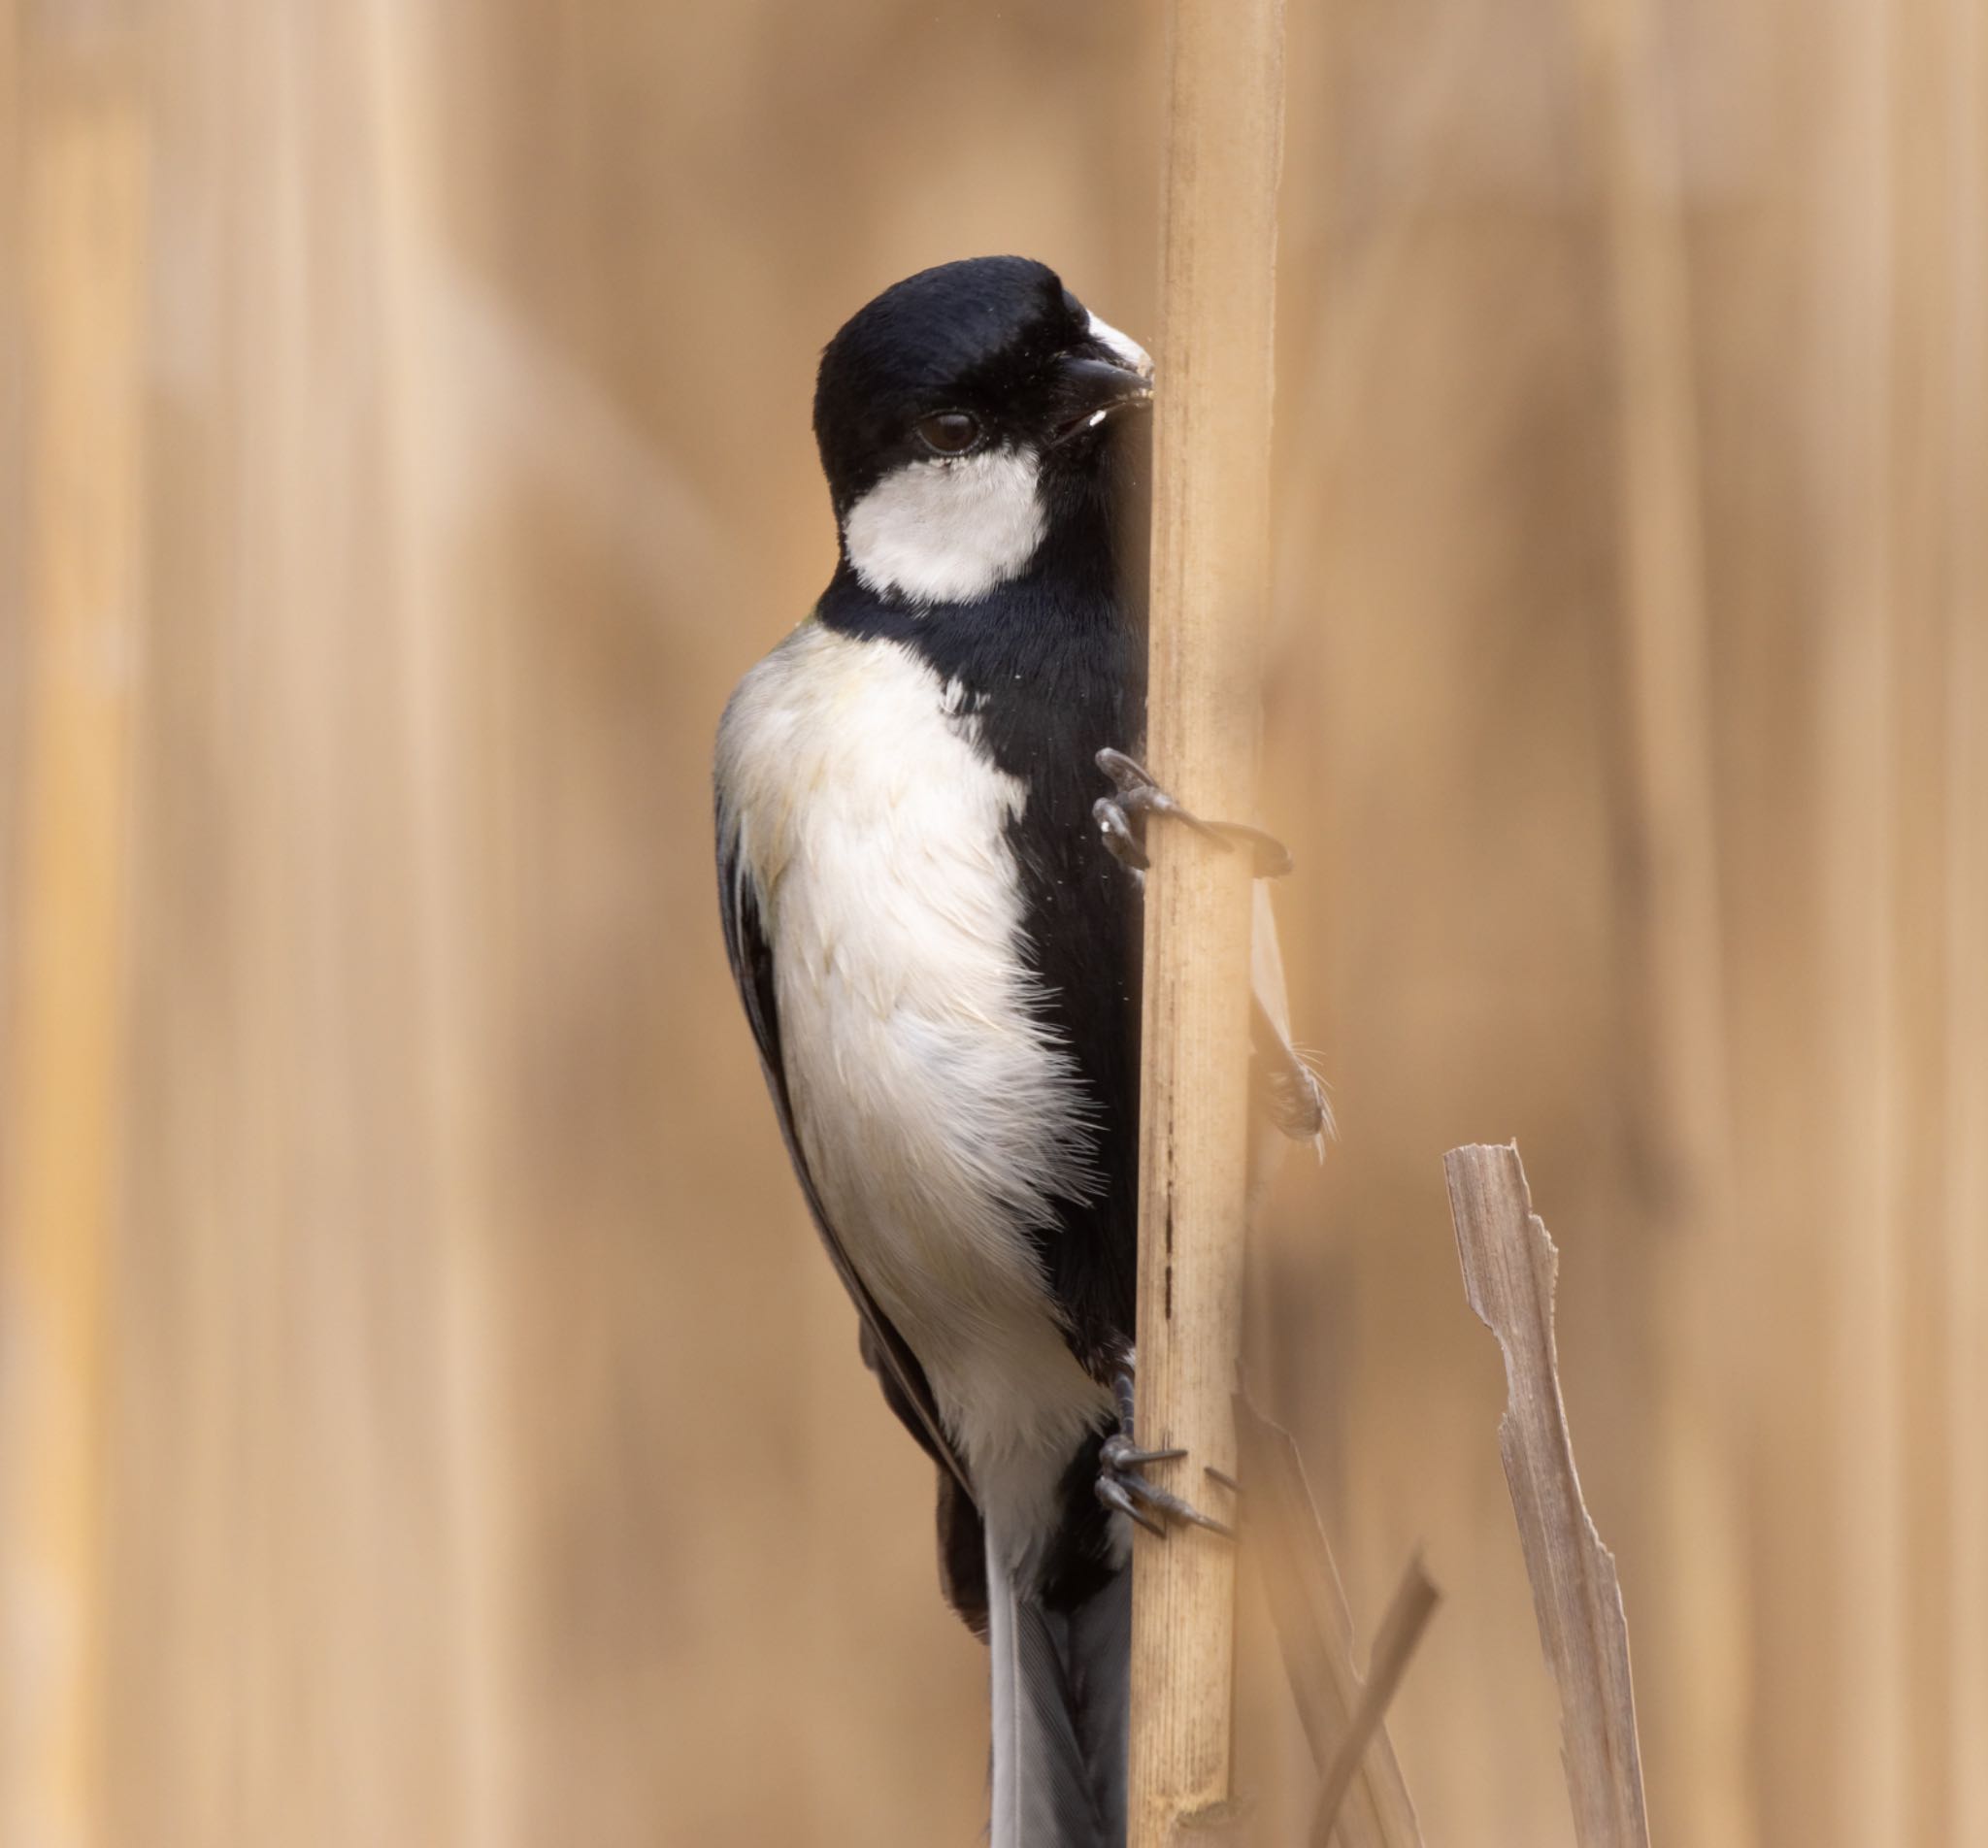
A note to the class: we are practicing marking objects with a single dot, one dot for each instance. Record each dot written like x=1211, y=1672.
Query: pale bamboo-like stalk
x=1965, y=1189
x=83, y=156
x=1929, y=525
x=1861, y=1725
x=1210, y=543
x=1632, y=130
x=452, y=1031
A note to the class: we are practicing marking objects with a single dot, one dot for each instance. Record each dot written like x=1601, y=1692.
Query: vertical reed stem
x=1210, y=546
x=83, y=271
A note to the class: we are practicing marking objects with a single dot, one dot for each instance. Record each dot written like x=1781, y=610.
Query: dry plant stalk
x=1408, y=1615
x=1211, y=556
x=1315, y=1630
x=1510, y=1264
x=84, y=260
x=1675, y=952
x=1966, y=1180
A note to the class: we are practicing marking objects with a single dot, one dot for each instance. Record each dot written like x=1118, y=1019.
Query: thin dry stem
x=1315, y=1633
x=1408, y=1615
x=1509, y=1265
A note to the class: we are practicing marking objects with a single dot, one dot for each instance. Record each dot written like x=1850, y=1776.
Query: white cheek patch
x=947, y=531
x=1125, y=345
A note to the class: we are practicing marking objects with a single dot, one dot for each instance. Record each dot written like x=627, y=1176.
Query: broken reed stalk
x=1509, y=1265
x=1209, y=570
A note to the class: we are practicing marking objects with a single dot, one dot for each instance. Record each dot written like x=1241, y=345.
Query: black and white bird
x=940, y=961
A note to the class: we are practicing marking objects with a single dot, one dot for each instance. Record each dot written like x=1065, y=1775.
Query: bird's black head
x=955, y=412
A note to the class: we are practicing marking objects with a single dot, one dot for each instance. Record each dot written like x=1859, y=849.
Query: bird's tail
x=1061, y=1702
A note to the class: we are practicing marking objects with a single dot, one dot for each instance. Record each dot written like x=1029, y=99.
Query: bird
x=930, y=819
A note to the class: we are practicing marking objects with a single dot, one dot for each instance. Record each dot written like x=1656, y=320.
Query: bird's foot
x=1123, y=1487
x=1121, y=820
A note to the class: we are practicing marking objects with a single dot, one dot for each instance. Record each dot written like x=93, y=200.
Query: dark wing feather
x=904, y=1385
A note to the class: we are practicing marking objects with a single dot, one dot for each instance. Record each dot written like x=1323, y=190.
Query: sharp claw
x=1123, y=771
x=1172, y=1505
x=1139, y=793
x=1120, y=1486
x=1113, y=1496
x=1222, y=1476
x=1120, y=842
x=1119, y=1454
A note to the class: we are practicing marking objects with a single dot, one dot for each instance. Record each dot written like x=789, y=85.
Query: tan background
x=424, y=1418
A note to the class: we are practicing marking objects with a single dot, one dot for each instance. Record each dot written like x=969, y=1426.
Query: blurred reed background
x=424, y=1416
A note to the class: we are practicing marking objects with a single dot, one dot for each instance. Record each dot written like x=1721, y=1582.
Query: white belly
x=937, y=1117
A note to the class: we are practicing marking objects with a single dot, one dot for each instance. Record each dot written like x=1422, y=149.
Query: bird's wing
x=747, y=944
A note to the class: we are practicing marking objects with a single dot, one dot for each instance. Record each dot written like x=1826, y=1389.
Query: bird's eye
x=949, y=432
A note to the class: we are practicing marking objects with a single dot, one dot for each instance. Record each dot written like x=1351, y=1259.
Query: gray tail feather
x=1061, y=1703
